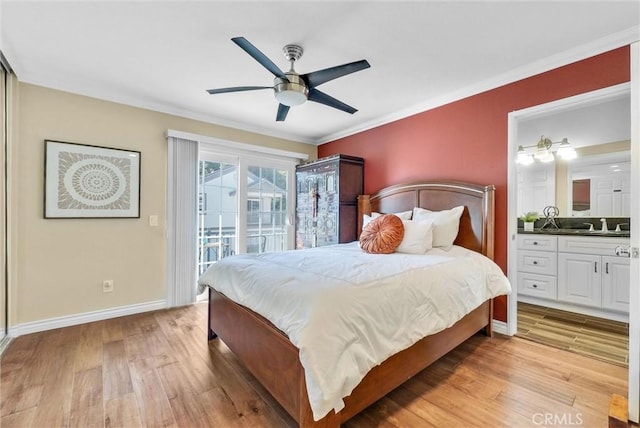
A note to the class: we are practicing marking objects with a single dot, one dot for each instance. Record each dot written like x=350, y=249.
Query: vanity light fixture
x=565, y=151
x=543, y=151
x=524, y=158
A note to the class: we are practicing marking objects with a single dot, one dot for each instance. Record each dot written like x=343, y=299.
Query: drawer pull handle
x=535, y=285
x=535, y=262
x=606, y=268
x=595, y=267
x=535, y=242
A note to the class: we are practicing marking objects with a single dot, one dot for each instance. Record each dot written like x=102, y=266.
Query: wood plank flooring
x=598, y=338
x=157, y=369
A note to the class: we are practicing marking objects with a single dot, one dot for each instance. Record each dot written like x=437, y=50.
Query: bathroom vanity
x=576, y=270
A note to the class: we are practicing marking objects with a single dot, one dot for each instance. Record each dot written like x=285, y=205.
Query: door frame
x=632, y=88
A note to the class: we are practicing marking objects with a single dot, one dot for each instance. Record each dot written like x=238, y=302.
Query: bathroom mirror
x=600, y=186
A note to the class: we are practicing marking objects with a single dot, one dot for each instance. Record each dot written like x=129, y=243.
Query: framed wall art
x=90, y=182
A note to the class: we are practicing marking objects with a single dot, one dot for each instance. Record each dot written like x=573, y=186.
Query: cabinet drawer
x=542, y=286
x=537, y=242
x=540, y=262
x=601, y=246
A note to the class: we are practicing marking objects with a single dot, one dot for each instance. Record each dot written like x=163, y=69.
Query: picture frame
x=84, y=181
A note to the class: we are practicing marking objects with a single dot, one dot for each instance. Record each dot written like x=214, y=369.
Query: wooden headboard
x=477, y=221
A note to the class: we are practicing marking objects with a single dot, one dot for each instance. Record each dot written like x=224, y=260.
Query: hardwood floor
x=157, y=369
x=598, y=338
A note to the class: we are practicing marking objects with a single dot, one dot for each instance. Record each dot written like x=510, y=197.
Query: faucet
x=620, y=224
x=604, y=225
x=591, y=229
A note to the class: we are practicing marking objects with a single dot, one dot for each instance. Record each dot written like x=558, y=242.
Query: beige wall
x=61, y=263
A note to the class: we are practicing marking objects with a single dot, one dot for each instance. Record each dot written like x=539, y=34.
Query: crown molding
x=596, y=47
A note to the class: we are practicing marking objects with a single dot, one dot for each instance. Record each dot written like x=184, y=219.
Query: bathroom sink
x=588, y=232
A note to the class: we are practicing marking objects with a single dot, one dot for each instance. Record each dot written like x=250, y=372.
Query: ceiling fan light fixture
x=291, y=91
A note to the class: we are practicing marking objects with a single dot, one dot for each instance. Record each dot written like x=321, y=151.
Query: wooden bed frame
x=269, y=355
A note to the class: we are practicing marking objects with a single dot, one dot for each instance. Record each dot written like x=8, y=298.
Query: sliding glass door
x=244, y=206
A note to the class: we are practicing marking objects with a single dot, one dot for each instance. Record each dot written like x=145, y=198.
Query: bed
x=272, y=358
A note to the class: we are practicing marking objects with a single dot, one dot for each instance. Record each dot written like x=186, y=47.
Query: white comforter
x=348, y=311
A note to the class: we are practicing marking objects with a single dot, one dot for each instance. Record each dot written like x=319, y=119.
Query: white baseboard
x=499, y=327
x=69, y=320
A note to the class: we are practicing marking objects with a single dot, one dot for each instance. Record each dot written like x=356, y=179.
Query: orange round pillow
x=382, y=235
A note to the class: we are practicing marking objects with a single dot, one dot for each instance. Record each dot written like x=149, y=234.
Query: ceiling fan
x=291, y=88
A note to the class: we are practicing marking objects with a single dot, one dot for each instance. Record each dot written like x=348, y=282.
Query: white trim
x=500, y=327
x=512, y=223
x=579, y=53
x=634, y=294
x=233, y=145
x=552, y=107
x=69, y=320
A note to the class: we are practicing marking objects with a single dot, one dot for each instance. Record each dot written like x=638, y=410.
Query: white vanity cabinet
x=580, y=279
x=576, y=273
x=616, y=281
x=537, y=266
x=590, y=273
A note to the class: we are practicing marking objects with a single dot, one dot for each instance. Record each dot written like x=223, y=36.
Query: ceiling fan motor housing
x=291, y=91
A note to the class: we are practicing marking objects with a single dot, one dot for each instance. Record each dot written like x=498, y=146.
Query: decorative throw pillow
x=418, y=235
x=382, y=235
x=445, y=224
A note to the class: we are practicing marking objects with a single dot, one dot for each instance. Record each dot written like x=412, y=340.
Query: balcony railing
x=215, y=246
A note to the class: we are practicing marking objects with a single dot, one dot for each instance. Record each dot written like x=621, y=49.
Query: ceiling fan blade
x=237, y=89
x=322, y=98
x=316, y=78
x=282, y=113
x=258, y=56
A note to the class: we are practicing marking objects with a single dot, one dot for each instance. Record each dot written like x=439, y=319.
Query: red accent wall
x=466, y=140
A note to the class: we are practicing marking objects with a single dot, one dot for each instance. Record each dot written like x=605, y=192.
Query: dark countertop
x=577, y=232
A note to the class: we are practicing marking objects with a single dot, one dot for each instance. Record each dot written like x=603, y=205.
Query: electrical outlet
x=153, y=220
x=107, y=286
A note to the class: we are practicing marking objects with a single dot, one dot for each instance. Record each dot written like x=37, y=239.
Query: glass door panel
x=217, y=210
x=267, y=191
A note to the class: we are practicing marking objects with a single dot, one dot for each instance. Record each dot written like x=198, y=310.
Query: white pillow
x=445, y=224
x=417, y=237
x=404, y=215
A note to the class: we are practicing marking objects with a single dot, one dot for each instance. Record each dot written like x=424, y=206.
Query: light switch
x=153, y=220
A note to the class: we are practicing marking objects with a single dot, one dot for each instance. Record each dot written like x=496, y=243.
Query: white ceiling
x=164, y=55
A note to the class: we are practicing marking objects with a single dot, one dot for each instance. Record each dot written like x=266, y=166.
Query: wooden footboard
x=267, y=353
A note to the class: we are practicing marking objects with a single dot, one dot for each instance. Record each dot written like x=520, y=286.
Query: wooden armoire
x=327, y=200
